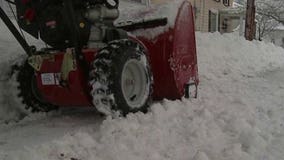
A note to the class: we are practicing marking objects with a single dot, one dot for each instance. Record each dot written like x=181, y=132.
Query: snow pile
x=130, y=11
x=239, y=115
x=241, y=57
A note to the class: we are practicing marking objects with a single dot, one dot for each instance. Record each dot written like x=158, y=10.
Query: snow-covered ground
x=239, y=114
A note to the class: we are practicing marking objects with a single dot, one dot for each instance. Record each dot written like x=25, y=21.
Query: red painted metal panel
x=173, y=56
x=71, y=95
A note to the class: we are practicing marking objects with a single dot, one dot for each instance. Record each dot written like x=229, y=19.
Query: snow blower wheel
x=121, y=78
x=28, y=91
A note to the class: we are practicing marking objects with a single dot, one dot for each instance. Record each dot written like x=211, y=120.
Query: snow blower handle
x=143, y=24
x=28, y=49
x=111, y=4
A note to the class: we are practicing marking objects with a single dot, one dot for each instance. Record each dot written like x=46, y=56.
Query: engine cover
x=46, y=19
x=53, y=27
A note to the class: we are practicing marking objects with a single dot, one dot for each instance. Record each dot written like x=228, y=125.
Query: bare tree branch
x=269, y=13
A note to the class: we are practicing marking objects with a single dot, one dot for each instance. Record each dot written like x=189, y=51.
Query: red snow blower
x=117, y=59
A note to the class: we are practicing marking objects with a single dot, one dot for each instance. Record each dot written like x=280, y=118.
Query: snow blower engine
x=117, y=59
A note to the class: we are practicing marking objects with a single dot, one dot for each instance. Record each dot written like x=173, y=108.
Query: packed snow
x=130, y=11
x=134, y=12
x=238, y=115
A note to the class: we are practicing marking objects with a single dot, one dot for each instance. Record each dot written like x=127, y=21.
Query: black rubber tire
x=28, y=91
x=106, y=75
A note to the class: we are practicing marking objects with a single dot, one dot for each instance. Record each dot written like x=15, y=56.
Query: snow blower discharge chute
x=97, y=57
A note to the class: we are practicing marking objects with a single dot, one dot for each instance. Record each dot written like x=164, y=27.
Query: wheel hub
x=134, y=83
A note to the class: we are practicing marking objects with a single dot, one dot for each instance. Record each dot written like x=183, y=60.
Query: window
x=226, y=2
x=225, y=25
x=213, y=19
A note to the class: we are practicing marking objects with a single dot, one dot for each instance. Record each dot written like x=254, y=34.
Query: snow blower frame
x=92, y=62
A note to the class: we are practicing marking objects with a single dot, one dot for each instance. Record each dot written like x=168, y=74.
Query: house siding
x=202, y=8
x=201, y=11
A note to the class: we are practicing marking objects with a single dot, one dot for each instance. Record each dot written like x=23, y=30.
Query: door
x=213, y=21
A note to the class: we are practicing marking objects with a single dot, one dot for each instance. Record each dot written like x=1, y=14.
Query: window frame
x=226, y=3
x=210, y=14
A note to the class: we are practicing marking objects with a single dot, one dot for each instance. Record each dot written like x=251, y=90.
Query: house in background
x=216, y=15
x=232, y=20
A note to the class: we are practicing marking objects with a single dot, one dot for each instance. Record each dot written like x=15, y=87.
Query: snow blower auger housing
x=99, y=54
